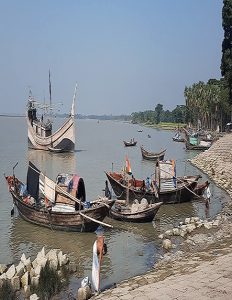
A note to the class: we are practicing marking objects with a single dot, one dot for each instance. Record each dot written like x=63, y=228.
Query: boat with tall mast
x=40, y=134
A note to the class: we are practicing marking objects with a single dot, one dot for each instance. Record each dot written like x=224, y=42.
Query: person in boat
x=143, y=186
x=148, y=183
x=107, y=191
x=133, y=181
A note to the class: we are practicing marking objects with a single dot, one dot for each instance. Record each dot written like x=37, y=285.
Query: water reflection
x=126, y=242
x=53, y=163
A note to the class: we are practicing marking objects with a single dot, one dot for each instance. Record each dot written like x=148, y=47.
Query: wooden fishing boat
x=40, y=133
x=134, y=213
x=49, y=204
x=201, y=146
x=178, y=138
x=130, y=143
x=151, y=155
x=165, y=187
x=196, y=142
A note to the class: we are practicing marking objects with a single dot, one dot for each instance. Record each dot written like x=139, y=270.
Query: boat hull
x=152, y=156
x=196, y=147
x=183, y=192
x=129, y=144
x=64, y=221
x=144, y=216
x=63, y=140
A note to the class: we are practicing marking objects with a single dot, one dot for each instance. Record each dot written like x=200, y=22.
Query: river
x=132, y=248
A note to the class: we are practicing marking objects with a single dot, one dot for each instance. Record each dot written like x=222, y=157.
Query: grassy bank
x=164, y=125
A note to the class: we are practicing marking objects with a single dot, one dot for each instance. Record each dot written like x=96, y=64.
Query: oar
x=94, y=220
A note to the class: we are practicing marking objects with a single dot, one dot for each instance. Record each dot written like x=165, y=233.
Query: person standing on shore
x=207, y=195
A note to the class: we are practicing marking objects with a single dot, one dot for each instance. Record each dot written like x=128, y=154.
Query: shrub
x=6, y=291
x=50, y=283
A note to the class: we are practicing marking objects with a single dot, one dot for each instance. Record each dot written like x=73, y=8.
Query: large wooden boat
x=40, y=133
x=58, y=206
x=195, y=141
x=201, y=146
x=152, y=155
x=166, y=188
x=130, y=143
x=134, y=213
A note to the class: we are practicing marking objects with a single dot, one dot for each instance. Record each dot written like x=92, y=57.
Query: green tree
x=179, y=114
x=226, y=61
x=158, y=111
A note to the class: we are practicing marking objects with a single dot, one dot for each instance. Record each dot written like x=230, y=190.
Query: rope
x=184, y=183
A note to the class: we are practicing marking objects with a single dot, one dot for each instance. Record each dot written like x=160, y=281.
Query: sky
x=125, y=55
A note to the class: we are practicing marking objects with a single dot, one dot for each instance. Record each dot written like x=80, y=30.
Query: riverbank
x=202, y=268
x=164, y=125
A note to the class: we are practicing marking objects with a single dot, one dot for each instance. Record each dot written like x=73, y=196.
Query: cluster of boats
x=62, y=205
x=194, y=140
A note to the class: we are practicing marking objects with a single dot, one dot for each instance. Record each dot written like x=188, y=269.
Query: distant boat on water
x=132, y=142
x=40, y=134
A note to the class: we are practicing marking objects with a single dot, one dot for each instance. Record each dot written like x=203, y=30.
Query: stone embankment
x=26, y=273
x=216, y=162
x=202, y=268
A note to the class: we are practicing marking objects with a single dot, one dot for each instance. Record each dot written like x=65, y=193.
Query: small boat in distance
x=178, y=138
x=132, y=142
x=140, y=130
x=40, y=134
x=148, y=136
x=59, y=205
x=152, y=155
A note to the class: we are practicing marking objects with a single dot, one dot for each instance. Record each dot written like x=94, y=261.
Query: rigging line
x=184, y=183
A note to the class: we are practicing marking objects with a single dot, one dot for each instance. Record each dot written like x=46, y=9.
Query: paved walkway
x=208, y=280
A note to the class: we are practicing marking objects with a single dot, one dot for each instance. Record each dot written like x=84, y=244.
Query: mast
x=72, y=113
x=50, y=91
x=127, y=192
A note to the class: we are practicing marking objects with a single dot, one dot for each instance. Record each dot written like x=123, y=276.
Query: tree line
x=207, y=105
x=160, y=115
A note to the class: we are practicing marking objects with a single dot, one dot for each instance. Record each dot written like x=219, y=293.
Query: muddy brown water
x=132, y=248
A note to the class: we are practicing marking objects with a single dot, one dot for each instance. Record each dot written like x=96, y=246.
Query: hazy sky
x=125, y=55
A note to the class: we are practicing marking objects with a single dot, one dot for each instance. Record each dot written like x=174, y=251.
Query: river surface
x=132, y=248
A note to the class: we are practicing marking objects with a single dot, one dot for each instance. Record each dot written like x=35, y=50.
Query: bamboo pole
x=94, y=220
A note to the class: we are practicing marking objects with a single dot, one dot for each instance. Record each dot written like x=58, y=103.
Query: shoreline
x=199, y=251
x=163, y=126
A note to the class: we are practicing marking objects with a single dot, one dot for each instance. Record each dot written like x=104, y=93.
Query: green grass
x=164, y=125
x=50, y=283
x=6, y=291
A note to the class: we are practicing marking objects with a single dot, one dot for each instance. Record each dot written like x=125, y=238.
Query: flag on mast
x=128, y=166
